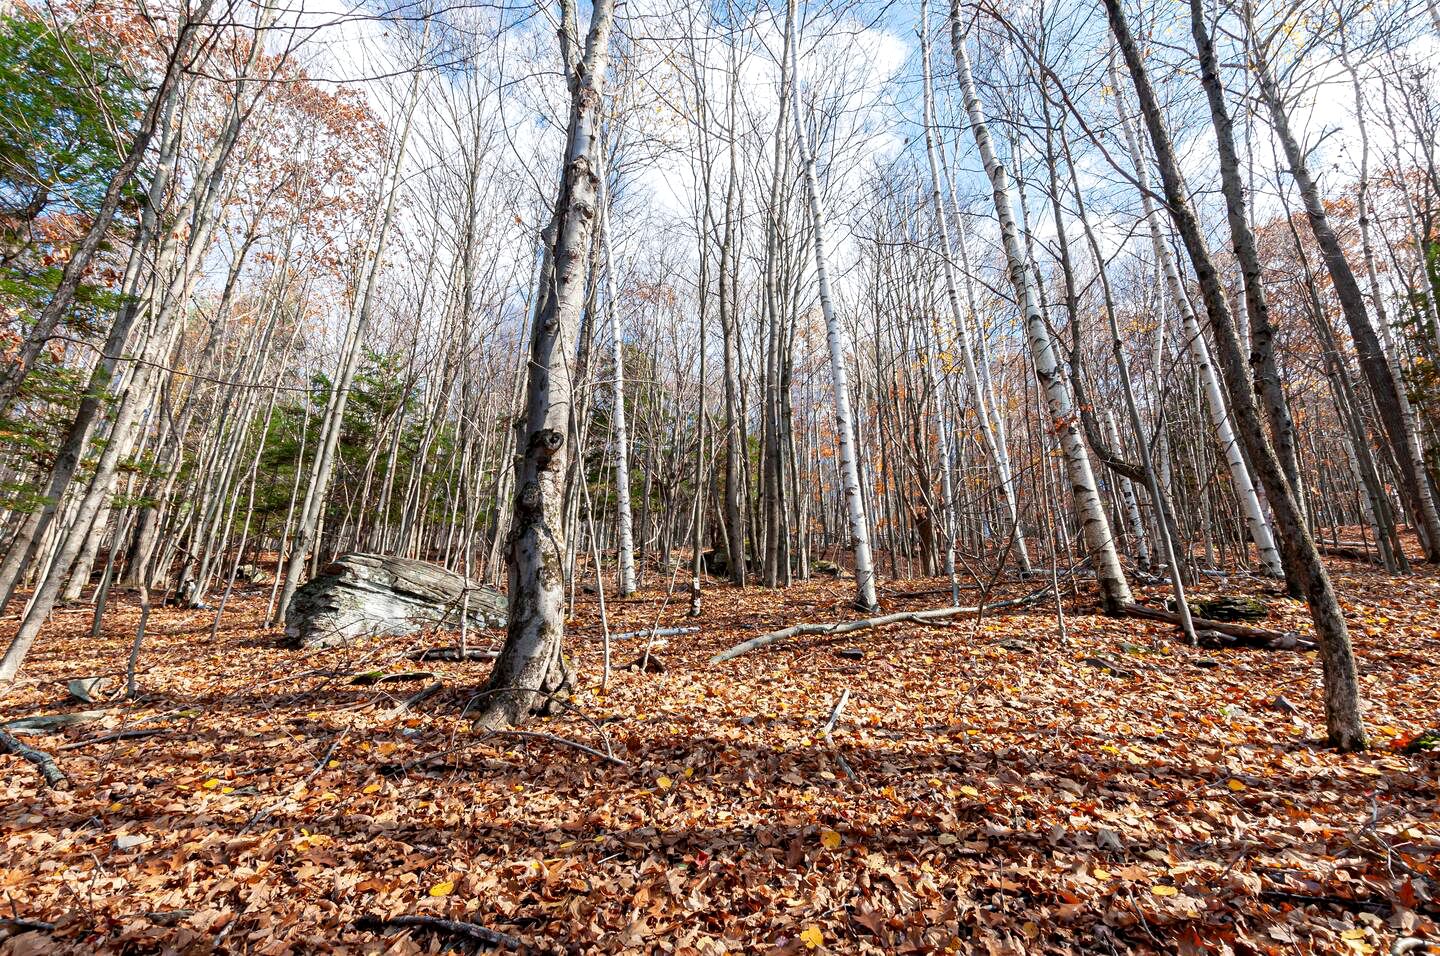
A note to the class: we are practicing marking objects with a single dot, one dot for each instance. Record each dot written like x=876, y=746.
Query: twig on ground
x=835, y=713
x=118, y=735
x=315, y=772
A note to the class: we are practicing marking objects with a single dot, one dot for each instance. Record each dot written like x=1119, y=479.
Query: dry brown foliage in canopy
x=985, y=790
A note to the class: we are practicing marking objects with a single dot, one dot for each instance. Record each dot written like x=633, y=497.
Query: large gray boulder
x=361, y=595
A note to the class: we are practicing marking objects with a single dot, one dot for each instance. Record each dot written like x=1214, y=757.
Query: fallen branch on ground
x=846, y=627
x=52, y=721
x=1241, y=635
x=470, y=931
x=55, y=778
x=118, y=735
x=1352, y=550
x=452, y=654
x=657, y=632
x=563, y=741
x=414, y=700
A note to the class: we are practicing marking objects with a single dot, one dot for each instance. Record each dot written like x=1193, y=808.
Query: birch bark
x=837, y=339
x=1255, y=520
x=1095, y=526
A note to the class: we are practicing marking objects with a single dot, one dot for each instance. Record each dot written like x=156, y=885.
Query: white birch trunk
x=993, y=442
x=1095, y=527
x=1128, y=499
x=1245, y=493
x=835, y=334
x=623, y=522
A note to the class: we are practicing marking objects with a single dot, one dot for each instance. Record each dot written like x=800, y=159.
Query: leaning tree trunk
x=1242, y=237
x=1404, y=443
x=38, y=336
x=531, y=668
x=1244, y=485
x=1091, y=510
x=1342, y=691
x=835, y=333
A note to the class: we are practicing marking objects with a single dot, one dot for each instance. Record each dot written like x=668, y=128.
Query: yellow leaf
x=227, y=789
x=1356, y=933
x=443, y=889
x=373, y=788
x=812, y=937
x=211, y=784
x=970, y=791
x=689, y=771
x=664, y=783
x=333, y=764
x=1100, y=873
x=829, y=839
x=1161, y=890
x=1235, y=785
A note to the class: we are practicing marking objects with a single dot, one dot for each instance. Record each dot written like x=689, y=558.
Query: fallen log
x=846, y=627
x=14, y=926
x=363, y=595
x=1351, y=552
x=1239, y=635
x=380, y=677
x=55, y=778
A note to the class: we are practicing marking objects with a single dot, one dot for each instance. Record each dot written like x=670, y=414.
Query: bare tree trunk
x=1095, y=526
x=531, y=667
x=625, y=543
x=999, y=460
x=1262, y=333
x=1244, y=485
x=1389, y=399
x=1342, y=691
x=835, y=332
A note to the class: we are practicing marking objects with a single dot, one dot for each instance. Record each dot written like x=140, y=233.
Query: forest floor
x=985, y=789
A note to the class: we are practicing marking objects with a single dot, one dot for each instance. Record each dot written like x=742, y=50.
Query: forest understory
x=988, y=786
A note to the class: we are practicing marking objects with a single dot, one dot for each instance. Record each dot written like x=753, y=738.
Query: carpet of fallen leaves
x=984, y=790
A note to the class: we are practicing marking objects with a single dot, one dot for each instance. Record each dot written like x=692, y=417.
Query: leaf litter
x=982, y=790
